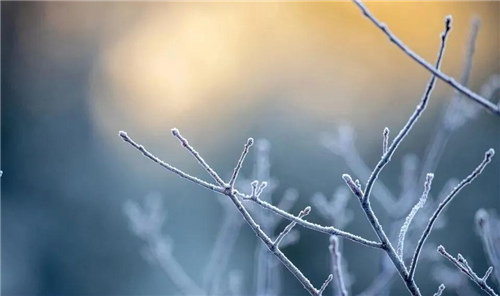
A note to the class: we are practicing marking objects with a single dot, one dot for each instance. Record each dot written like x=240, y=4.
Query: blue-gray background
x=73, y=74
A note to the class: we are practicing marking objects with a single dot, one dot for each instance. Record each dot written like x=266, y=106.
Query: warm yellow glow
x=178, y=62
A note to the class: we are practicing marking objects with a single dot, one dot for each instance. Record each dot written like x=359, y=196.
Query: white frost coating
x=440, y=290
x=240, y=162
x=413, y=212
x=464, y=267
x=434, y=70
x=198, y=157
x=289, y=227
x=233, y=196
x=477, y=171
x=385, y=142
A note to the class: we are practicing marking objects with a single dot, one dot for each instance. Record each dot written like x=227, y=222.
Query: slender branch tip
x=122, y=134
x=448, y=22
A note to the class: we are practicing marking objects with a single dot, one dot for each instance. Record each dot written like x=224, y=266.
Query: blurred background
x=74, y=74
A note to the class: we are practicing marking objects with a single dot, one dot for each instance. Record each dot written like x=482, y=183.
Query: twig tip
x=448, y=20
x=122, y=134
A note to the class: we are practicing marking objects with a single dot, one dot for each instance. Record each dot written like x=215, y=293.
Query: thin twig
x=464, y=267
x=289, y=227
x=232, y=194
x=479, y=169
x=365, y=200
x=440, y=290
x=434, y=70
x=445, y=130
x=198, y=157
x=385, y=140
x=240, y=162
x=413, y=212
x=413, y=118
x=173, y=169
x=316, y=227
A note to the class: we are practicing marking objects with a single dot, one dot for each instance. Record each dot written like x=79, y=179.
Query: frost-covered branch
x=324, y=229
x=262, y=198
x=413, y=212
x=436, y=72
x=173, y=169
x=233, y=196
x=453, y=280
x=479, y=169
x=458, y=111
x=440, y=290
x=464, y=267
x=364, y=197
x=385, y=141
x=343, y=146
x=413, y=118
x=289, y=227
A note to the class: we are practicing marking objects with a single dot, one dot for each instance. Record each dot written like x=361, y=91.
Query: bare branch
x=233, y=196
x=385, y=142
x=413, y=118
x=343, y=145
x=355, y=188
x=487, y=158
x=434, y=70
x=325, y=284
x=458, y=111
x=413, y=212
x=289, y=227
x=240, y=162
x=464, y=267
x=440, y=290
x=316, y=227
x=174, y=170
x=198, y=157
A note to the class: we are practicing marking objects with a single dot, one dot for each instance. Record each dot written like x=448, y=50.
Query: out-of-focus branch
x=147, y=224
x=336, y=264
x=488, y=227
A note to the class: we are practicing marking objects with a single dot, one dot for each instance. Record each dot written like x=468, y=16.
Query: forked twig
x=233, y=196
x=464, y=267
x=477, y=171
